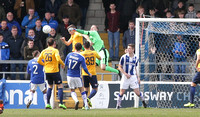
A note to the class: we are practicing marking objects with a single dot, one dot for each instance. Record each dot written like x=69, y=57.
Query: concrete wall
x=95, y=15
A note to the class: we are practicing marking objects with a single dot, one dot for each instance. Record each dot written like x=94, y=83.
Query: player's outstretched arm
x=83, y=31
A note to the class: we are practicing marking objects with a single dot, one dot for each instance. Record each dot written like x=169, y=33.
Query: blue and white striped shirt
x=129, y=63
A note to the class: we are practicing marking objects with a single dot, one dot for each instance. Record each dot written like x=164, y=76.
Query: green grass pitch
x=123, y=112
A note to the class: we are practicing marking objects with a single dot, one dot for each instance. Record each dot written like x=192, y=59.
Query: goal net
x=166, y=48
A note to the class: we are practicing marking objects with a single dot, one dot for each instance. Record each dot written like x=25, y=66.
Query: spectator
x=29, y=49
x=29, y=20
x=169, y=14
x=140, y=13
x=31, y=36
x=198, y=15
x=48, y=20
x=152, y=13
x=181, y=14
x=113, y=31
x=22, y=7
x=179, y=52
x=180, y=7
x=83, y=4
x=161, y=7
x=11, y=22
x=191, y=13
x=2, y=13
x=52, y=6
x=147, y=4
x=72, y=10
x=59, y=44
x=174, y=4
x=126, y=8
x=129, y=35
x=4, y=30
x=4, y=55
x=15, y=42
x=39, y=33
x=62, y=29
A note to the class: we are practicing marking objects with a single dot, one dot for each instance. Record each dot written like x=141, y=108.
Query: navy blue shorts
x=196, y=78
x=92, y=81
x=53, y=77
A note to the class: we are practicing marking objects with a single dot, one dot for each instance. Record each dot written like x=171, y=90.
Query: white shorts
x=132, y=82
x=41, y=86
x=74, y=82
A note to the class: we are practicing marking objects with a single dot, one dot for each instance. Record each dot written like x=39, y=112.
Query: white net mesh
x=167, y=49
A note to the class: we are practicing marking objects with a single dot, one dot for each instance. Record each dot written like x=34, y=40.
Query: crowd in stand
x=22, y=22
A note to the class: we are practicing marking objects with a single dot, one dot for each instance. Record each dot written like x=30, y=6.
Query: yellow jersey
x=76, y=38
x=90, y=60
x=197, y=53
x=51, y=59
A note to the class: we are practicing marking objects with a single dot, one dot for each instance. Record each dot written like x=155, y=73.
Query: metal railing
x=114, y=63
x=26, y=62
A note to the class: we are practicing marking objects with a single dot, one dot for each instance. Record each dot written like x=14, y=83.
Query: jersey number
x=48, y=57
x=35, y=67
x=71, y=62
x=89, y=60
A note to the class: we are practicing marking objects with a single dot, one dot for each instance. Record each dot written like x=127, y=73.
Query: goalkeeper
x=98, y=45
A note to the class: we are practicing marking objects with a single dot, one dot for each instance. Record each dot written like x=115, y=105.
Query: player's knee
x=60, y=86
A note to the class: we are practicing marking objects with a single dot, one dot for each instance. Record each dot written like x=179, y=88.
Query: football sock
x=192, y=92
x=93, y=92
x=141, y=96
x=74, y=96
x=110, y=69
x=119, y=100
x=45, y=98
x=31, y=96
x=49, y=95
x=60, y=95
x=84, y=98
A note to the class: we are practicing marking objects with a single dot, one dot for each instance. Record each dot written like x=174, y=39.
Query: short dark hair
x=50, y=41
x=87, y=44
x=131, y=21
x=132, y=45
x=35, y=53
x=14, y=27
x=78, y=46
x=191, y=5
x=30, y=40
x=39, y=20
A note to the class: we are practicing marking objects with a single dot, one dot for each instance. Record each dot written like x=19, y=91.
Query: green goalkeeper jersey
x=98, y=43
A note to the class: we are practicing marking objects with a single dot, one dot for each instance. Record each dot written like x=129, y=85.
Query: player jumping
x=98, y=45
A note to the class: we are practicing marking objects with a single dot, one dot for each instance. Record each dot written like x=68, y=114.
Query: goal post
x=157, y=40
